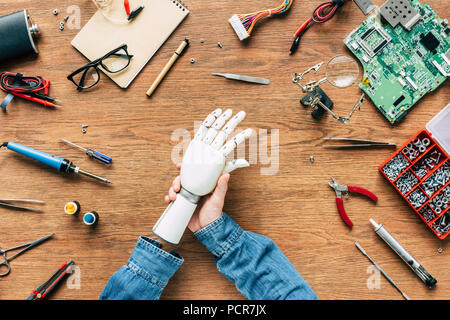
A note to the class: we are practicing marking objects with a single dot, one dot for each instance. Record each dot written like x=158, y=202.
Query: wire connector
x=238, y=27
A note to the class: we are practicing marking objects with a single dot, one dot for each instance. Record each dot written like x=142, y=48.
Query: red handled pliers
x=339, y=189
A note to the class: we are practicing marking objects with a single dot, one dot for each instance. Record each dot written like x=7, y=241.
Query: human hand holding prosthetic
x=210, y=206
x=203, y=164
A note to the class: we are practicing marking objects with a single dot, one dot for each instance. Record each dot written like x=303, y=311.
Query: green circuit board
x=404, y=55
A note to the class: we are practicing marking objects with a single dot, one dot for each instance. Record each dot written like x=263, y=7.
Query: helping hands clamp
x=315, y=99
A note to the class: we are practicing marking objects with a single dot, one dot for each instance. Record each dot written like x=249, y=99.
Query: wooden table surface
x=295, y=206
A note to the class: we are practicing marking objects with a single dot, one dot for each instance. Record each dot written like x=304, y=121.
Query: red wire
x=126, y=4
x=36, y=83
x=302, y=27
x=318, y=12
x=318, y=16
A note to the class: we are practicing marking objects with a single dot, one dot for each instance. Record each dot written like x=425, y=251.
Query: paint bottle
x=72, y=208
x=90, y=218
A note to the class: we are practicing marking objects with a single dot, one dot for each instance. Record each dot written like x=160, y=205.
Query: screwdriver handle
x=98, y=156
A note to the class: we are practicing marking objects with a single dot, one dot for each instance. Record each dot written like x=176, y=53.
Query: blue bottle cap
x=89, y=218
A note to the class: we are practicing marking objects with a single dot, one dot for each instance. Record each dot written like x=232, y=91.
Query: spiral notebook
x=144, y=35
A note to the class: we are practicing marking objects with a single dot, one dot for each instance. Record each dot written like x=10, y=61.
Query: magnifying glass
x=342, y=71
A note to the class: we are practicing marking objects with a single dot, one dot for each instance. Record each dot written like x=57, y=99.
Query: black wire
x=31, y=83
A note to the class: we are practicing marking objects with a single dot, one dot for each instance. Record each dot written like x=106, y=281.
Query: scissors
x=25, y=247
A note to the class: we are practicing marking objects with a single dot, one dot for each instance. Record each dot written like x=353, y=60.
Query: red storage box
x=420, y=172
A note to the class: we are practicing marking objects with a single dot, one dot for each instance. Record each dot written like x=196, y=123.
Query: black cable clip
x=339, y=3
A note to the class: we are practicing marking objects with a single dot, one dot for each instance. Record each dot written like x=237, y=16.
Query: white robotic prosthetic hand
x=202, y=165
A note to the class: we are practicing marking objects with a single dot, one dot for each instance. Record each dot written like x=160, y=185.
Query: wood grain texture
x=295, y=207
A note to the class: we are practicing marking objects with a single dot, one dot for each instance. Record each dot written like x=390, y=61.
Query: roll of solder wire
x=16, y=33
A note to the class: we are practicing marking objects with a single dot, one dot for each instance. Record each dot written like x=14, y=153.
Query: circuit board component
x=405, y=52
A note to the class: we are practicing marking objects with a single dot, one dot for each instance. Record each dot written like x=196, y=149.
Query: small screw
x=220, y=45
x=55, y=11
x=61, y=27
x=440, y=250
x=192, y=60
x=66, y=18
x=202, y=40
x=311, y=158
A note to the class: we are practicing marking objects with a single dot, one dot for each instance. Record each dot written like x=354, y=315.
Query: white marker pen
x=418, y=269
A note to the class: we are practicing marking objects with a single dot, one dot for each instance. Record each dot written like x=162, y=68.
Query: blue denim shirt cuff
x=152, y=263
x=220, y=235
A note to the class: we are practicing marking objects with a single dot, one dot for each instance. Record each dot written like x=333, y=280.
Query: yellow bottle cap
x=71, y=208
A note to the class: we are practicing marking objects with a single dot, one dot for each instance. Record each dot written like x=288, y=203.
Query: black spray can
x=16, y=33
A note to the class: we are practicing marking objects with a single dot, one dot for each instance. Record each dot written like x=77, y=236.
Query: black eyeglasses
x=114, y=61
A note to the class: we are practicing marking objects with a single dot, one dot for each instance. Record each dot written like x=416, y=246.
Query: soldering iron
x=57, y=163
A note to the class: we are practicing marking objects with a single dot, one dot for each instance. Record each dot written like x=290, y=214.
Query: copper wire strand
x=249, y=19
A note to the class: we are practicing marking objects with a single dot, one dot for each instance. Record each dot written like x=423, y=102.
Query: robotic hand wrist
x=172, y=223
x=189, y=196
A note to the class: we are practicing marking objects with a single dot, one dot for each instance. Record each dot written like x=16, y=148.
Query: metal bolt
x=192, y=60
x=311, y=158
x=202, y=40
x=440, y=250
x=55, y=11
x=61, y=27
x=395, y=166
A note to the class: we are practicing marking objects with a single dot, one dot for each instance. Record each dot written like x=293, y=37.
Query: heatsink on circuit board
x=374, y=40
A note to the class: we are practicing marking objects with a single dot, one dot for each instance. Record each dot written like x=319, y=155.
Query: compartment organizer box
x=420, y=172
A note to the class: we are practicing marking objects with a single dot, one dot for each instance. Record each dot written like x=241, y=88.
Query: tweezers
x=242, y=78
x=7, y=203
x=356, y=143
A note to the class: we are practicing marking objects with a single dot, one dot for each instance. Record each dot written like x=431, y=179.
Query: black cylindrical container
x=16, y=34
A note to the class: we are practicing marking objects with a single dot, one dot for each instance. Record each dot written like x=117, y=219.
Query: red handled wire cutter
x=339, y=189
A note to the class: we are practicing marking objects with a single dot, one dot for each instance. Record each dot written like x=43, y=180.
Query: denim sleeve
x=253, y=262
x=145, y=275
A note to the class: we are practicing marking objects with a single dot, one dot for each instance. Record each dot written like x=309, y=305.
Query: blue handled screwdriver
x=57, y=163
x=91, y=153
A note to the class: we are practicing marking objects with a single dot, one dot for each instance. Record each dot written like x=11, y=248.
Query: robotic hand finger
x=227, y=130
x=237, y=139
x=214, y=129
x=206, y=124
x=235, y=164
